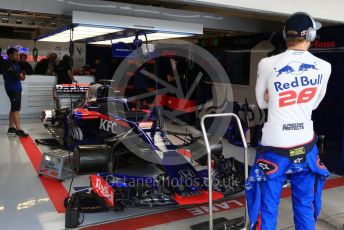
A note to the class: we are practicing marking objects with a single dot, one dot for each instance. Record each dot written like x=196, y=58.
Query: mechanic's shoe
x=21, y=133
x=11, y=131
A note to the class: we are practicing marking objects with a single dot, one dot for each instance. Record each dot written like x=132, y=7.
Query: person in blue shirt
x=12, y=76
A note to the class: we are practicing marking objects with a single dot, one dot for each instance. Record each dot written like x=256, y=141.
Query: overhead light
x=2, y=207
x=137, y=23
x=79, y=32
x=150, y=37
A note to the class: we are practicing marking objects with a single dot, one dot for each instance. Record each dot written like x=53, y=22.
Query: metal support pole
x=210, y=181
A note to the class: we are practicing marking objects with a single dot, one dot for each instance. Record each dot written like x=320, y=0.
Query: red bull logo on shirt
x=298, y=81
x=286, y=69
x=295, y=68
x=288, y=97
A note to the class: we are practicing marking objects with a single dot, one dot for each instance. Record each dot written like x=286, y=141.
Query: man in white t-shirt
x=290, y=85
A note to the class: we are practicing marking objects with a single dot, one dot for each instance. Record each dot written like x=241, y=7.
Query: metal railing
x=210, y=183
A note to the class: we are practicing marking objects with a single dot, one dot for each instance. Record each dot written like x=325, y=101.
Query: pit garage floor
x=30, y=202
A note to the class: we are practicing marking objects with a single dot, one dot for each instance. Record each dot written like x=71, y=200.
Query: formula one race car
x=106, y=133
x=94, y=121
x=107, y=125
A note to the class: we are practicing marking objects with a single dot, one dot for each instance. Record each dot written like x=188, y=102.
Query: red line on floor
x=334, y=182
x=194, y=211
x=55, y=189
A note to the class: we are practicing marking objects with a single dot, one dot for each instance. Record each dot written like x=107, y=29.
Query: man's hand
x=22, y=76
x=266, y=96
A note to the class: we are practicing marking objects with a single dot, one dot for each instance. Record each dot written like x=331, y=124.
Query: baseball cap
x=300, y=22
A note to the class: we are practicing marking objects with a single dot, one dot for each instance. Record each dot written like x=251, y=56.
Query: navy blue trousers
x=264, y=187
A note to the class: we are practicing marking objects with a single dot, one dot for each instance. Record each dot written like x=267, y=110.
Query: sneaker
x=11, y=132
x=21, y=133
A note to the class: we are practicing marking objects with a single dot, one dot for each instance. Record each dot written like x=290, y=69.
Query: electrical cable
x=144, y=33
x=140, y=57
x=137, y=34
x=83, y=218
x=71, y=53
x=71, y=45
x=156, y=83
x=70, y=96
x=73, y=174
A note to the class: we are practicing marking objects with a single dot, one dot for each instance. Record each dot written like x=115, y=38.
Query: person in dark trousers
x=64, y=71
x=101, y=71
x=24, y=65
x=12, y=77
